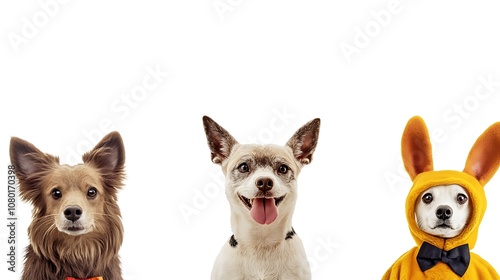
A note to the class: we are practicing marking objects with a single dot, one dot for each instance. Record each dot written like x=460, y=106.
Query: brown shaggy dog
x=76, y=229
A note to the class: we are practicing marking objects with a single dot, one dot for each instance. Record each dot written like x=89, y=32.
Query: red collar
x=91, y=278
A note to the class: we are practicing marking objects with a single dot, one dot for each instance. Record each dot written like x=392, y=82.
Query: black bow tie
x=457, y=259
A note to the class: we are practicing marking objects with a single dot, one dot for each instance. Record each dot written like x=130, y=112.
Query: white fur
x=262, y=251
x=285, y=261
x=271, y=250
x=443, y=196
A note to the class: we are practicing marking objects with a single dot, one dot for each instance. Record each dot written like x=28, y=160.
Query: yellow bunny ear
x=416, y=148
x=484, y=156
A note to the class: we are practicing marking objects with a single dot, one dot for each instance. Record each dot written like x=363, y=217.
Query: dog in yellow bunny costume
x=436, y=257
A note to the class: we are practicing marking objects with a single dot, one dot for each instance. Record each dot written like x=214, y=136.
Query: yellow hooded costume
x=436, y=257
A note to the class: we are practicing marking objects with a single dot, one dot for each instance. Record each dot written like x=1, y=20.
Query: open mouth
x=248, y=202
x=264, y=210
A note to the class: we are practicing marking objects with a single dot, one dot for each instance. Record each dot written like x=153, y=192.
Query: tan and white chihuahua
x=261, y=187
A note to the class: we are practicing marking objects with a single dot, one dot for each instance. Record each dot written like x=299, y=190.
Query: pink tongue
x=264, y=211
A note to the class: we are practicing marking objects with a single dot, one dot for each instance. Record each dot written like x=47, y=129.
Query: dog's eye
x=461, y=198
x=92, y=192
x=56, y=194
x=283, y=169
x=243, y=168
x=427, y=198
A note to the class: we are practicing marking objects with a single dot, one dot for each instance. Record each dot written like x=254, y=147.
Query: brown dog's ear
x=484, y=156
x=219, y=140
x=109, y=157
x=304, y=141
x=29, y=162
x=416, y=147
x=27, y=159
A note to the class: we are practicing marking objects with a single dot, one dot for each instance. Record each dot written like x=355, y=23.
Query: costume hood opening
x=477, y=200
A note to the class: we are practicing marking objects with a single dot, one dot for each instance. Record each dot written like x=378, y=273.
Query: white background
x=69, y=73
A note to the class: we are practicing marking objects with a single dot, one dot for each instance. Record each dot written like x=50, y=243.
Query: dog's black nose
x=444, y=212
x=264, y=184
x=73, y=213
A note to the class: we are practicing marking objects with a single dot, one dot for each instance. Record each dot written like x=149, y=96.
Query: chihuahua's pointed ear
x=27, y=159
x=416, y=148
x=484, y=157
x=109, y=157
x=219, y=140
x=304, y=141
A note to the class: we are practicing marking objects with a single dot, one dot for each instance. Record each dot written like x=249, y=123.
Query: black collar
x=233, y=243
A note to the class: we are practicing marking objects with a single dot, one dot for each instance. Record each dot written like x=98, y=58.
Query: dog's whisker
x=103, y=214
x=44, y=217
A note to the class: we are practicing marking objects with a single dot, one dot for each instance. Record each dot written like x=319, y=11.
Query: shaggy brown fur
x=60, y=247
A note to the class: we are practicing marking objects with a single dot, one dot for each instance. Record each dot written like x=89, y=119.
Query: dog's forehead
x=262, y=155
x=446, y=190
x=74, y=176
